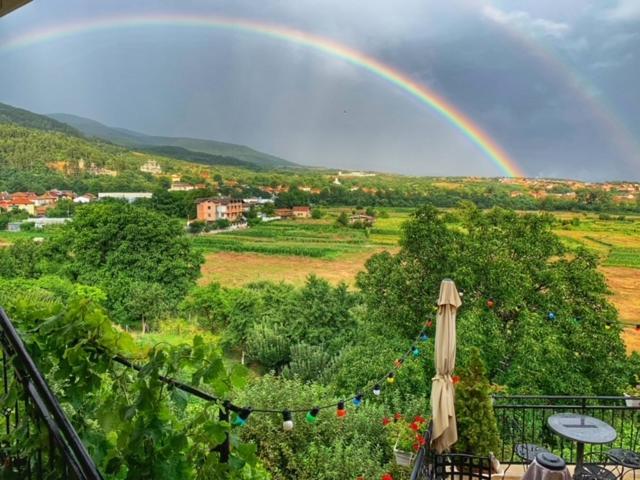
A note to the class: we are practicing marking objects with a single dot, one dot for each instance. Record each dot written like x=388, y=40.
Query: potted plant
x=406, y=437
x=632, y=395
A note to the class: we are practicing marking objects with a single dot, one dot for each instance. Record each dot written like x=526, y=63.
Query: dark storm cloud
x=316, y=109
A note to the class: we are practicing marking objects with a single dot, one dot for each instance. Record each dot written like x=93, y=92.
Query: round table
x=581, y=429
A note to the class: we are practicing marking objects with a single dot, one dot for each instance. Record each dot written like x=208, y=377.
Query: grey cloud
x=522, y=19
x=624, y=11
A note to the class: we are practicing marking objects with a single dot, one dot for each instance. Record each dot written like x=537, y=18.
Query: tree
x=541, y=294
x=477, y=426
x=268, y=209
x=113, y=243
x=317, y=213
x=342, y=220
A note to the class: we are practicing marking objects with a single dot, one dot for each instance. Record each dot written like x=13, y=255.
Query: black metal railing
x=37, y=441
x=523, y=419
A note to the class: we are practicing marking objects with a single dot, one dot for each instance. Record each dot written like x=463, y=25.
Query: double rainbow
x=448, y=111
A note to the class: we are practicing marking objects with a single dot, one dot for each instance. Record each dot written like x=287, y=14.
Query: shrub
x=477, y=426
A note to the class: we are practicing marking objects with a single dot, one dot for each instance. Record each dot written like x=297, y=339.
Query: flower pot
x=633, y=402
x=403, y=458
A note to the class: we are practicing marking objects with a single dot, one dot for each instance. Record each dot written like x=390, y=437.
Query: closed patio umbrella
x=445, y=432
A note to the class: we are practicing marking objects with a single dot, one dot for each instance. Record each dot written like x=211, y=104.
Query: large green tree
x=549, y=328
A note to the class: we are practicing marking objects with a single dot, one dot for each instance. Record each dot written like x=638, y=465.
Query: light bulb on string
x=312, y=415
x=391, y=378
x=357, y=400
x=424, y=337
x=341, y=411
x=241, y=418
x=415, y=351
x=287, y=421
x=398, y=362
x=377, y=390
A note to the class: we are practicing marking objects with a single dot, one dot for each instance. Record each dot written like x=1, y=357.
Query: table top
x=582, y=428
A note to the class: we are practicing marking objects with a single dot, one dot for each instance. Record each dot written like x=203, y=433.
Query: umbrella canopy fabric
x=445, y=432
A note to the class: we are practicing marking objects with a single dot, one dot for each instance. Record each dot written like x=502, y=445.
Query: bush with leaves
x=350, y=446
x=133, y=425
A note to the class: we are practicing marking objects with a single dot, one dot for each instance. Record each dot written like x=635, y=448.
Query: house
x=96, y=170
x=367, y=220
x=257, y=201
x=128, y=196
x=212, y=209
x=45, y=199
x=23, y=203
x=86, y=198
x=284, y=212
x=301, y=212
x=180, y=187
x=151, y=166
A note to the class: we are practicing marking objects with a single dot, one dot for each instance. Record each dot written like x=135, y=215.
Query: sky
x=555, y=84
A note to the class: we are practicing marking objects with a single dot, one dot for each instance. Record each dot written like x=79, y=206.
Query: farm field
x=293, y=249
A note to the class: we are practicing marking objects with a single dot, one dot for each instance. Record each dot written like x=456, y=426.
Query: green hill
x=131, y=139
x=180, y=153
x=25, y=118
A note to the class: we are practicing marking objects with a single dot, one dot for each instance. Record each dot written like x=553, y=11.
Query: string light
x=287, y=421
x=241, y=415
x=491, y=303
x=241, y=418
x=551, y=316
x=312, y=415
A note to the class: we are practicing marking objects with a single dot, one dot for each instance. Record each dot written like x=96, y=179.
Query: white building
x=128, y=196
x=152, y=167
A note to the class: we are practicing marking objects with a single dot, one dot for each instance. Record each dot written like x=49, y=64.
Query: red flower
x=420, y=439
x=397, y=416
x=386, y=421
x=414, y=426
x=455, y=379
x=387, y=476
x=419, y=419
x=416, y=446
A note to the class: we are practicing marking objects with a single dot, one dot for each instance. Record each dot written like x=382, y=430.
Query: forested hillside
x=25, y=118
x=129, y=138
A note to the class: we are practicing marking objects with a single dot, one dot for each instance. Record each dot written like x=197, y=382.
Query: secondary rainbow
x=449, y=112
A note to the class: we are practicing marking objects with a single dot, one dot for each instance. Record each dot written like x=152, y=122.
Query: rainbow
x=618, y=133
x=446, y=110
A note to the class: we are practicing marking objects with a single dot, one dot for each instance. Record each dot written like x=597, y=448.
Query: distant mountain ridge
x=25, y=118
x=132, y=139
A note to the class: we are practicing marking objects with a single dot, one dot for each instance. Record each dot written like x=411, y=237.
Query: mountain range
x=183, y=148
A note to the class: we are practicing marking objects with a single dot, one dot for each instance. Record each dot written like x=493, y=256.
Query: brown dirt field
x=625, y=284
x=236, y=269
x=631, y=339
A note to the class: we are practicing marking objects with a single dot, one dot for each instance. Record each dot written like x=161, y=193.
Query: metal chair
x=524, y=451
x=626, y=459
x=595, y=470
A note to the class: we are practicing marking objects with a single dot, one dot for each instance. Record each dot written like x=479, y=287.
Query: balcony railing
x=523, y=419
x=37, y=441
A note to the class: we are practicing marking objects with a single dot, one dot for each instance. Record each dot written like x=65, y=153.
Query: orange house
x=212, y=209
